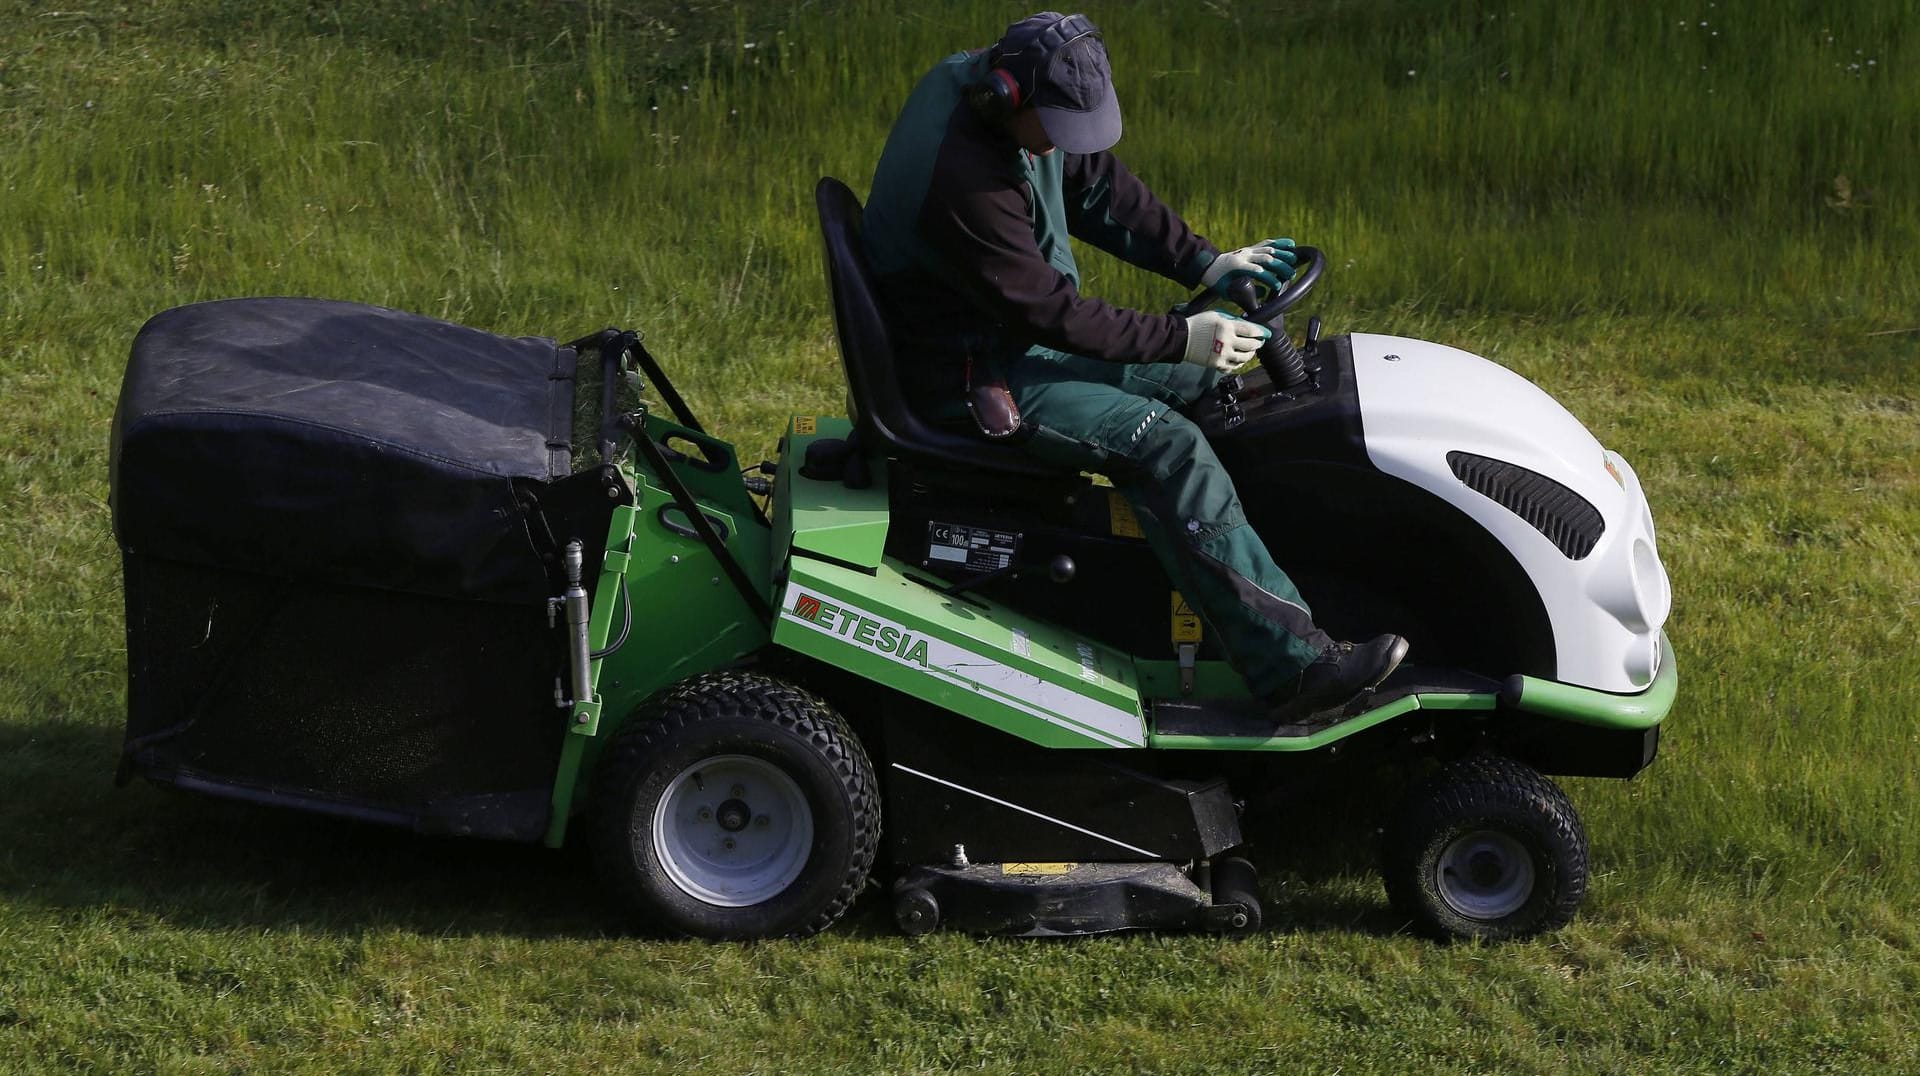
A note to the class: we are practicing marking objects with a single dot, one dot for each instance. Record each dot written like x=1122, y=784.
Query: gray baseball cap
x=1060, y=59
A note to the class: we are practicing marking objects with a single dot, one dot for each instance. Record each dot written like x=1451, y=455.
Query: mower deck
x=1042, y=900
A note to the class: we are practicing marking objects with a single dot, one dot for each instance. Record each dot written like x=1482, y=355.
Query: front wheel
x=1487, y=848
x=735, y=805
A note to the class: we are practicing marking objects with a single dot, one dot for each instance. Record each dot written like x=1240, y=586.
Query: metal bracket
x=586, y=718
x=1188, y=652
x=1225, y=918
x=616, y=560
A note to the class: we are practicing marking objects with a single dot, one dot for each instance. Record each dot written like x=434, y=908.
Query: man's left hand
x=1270, y=261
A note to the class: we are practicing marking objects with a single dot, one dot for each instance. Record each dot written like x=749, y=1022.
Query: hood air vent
x=1564, y=516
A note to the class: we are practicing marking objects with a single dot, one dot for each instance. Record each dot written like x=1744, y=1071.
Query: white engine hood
x=1420, y=401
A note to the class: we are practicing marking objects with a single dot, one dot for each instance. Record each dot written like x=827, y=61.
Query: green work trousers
x=1119, y=419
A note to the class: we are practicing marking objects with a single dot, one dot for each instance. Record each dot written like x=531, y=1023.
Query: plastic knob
x=1243, y=293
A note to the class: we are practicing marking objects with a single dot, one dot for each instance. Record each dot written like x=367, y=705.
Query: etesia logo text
x=867, y=632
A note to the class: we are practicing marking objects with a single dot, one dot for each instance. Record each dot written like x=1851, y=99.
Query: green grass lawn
x=1695, y=224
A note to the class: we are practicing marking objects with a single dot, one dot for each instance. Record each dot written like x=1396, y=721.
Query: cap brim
x=1083, y=132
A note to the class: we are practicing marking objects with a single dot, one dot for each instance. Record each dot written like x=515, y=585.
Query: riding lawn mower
x=367, y=575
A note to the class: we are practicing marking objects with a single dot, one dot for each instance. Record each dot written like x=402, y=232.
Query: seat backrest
x=866, y=352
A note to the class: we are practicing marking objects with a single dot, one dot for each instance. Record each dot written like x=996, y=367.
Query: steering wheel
x=1295, y=290
x=1245, y=293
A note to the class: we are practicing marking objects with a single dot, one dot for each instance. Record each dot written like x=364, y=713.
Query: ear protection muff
x=1012, y=77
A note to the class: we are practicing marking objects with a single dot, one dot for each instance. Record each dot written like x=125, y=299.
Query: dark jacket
x=967, y=235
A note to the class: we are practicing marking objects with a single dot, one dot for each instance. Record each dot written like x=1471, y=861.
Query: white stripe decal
x=1010, y=687
x=1024, y=810
x=1013, y=702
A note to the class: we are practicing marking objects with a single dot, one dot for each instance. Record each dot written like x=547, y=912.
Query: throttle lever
x=1229, y=388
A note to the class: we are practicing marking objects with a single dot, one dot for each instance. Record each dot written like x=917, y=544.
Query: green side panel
x=826, y=518
x=687, y=616
x=1331, y=733
x=1605, y=709
x=716, y=482
x=968, y=655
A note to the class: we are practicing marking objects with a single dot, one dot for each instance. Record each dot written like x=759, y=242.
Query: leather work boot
x=1339, y=675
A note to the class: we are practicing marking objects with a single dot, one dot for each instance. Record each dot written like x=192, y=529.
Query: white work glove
x=1223, y=341
x=1269, y=261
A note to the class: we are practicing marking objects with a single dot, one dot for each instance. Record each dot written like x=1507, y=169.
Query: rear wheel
x=1487, y=848
x=735, y=805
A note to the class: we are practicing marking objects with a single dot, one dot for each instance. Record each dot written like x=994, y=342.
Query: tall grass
x=1692, y=222
x=1545, y=159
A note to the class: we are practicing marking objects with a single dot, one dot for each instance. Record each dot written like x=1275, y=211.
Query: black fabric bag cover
x=343, y=443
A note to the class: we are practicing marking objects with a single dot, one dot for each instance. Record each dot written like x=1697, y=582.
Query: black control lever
x=1229, y=389
x=1282, y=360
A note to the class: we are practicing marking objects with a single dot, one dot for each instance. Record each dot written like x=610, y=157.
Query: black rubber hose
x=626, y=623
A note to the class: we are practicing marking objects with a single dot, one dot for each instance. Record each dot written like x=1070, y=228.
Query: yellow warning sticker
x=1036, y=868
x=1186, y=622
x=804, y=423
x=1120, y=517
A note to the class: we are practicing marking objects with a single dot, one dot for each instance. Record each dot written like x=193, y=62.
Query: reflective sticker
x=805, y=424
x=1120, y=517
x=958, y=665
x=1612, y=470
x=1186, y=622
x=1089, y=665
x=1141, y=430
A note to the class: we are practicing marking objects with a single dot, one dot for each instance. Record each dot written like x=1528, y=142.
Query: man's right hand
x=1270, y=261
x=1223, y=341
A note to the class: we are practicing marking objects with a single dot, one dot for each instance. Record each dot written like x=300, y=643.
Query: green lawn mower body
x=365, y=576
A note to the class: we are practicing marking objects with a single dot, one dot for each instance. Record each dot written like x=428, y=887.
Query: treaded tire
x=773, y=726
x=1501, y=818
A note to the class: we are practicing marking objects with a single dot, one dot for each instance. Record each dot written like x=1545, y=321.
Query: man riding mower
x=367, y=574
x=999, y=156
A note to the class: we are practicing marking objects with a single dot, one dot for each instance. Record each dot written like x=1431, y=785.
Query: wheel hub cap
x=733, y=816
x=1484, y=875
x=732, y=830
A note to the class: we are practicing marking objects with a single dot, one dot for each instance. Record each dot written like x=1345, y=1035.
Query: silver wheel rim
x=1484, y=875
x=732, y=830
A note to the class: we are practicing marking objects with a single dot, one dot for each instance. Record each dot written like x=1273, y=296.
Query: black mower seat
x=878, y=407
